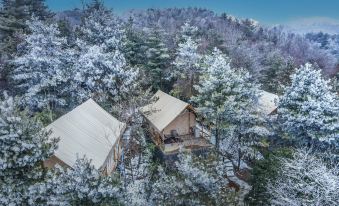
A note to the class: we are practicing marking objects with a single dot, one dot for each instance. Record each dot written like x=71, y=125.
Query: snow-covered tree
x=137, y=177
x=80, y=185
x=101, y=27
x=102, y=75
x=156, y=59
x=305, y=180
x=276, y=72
x=100, y=70
x=212, y=93
x=309, y=109
x=13, y=15
x=228, y=99
x=23, y=148
x=187, y=65
x=167, y=190
x=187, y=31
x=41, y=69
x=134, y=47
x=137, y=165
x=193, y=181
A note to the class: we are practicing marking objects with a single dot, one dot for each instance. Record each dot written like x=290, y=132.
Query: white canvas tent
x=88, y=130
x=173, y=124
x=163, y=110
x=268, y=102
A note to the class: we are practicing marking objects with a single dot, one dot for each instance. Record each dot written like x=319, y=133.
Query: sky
x=265, y=11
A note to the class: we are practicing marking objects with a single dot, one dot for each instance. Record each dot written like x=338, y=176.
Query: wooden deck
x=188, y=142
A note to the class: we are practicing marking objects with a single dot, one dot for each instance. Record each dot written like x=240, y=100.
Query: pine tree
x=100, y=27
x=14, y=15
x=66, y=31
x=41, y=69
x=187, y=64
x=187, y=31
x=39, y=9
x=101, y=70
x=81, y=185
x=309, y=110
x=156, y=60
x=134, y=48
x=23, y=148
x=102, y=75
x=192, y=182
x=228, y=99
x=277, y=74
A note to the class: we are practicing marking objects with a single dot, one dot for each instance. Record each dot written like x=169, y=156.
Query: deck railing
x=200, y=138
x=185, y=141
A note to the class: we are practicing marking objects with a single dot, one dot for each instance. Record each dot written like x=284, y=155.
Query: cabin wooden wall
x=182, y=123
x=52, y=161
x=112, y=159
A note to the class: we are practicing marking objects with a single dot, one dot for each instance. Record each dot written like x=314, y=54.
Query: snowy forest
x=52, y=62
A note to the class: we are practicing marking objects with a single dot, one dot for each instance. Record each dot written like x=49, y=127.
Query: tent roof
x=163, y=110
x=267, y=102
x=88, y=130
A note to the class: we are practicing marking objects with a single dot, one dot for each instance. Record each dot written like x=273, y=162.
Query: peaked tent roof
x=163, y=110
x=267, y=102
x=86, y=130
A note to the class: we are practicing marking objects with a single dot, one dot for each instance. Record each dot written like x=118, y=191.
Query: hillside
x=176, y=106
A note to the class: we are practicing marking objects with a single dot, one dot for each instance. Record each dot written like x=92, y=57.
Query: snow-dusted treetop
x=308, y=108
x=41, y=65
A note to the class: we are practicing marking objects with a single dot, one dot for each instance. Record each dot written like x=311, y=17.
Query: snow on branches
x=305, y=180
x=41, y=67
x=101, y=70
x=187, y=63
x=309, y=109
x=23, y=148
x=80, y=185
x=229, y=100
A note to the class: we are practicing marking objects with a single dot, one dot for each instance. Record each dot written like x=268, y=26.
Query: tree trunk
x=239, y=153
x=217, y=134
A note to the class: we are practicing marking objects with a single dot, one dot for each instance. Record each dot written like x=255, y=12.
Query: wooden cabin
x=173, y=124
x=88, y=130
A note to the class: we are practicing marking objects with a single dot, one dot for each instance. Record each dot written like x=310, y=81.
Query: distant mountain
x=314, y=25
x=249, y=44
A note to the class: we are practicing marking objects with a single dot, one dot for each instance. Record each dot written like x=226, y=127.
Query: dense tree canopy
x=219, y=63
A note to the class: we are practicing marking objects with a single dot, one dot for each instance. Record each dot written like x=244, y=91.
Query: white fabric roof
x=163, y=110
x=267, y=102
x=87, y=130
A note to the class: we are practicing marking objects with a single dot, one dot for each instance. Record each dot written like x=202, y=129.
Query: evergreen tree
x=192, y=182
x=101, y=75
x=277, y=74
x=39, y=9
x=187, y=64
x=309, y=110
x=156, y=59
x=134, y=48
x=23, y=148
x=66, y=31
x=41, y=68
x=101, y=70
x=335, y=81
x=14, y=14
x=101, y=28
x=81, y=185
x=228, y=99
x=187, y=31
